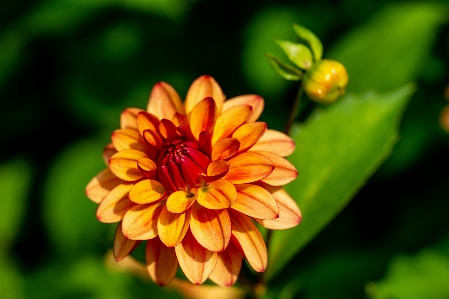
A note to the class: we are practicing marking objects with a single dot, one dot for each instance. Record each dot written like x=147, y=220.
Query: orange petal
x=128, y=118
x=108, y=152
x=147, y=167
x=140, y=222
x=248, y=134
x=180, y=120
x=127, y=139
x=248, y=167
x=250, y=240
x=180, y=201
x=228, y=266
x=289, y=213
x=255, y=101
x=164, y=101
x=201, y=88
x=217, y=195
x=230, y=120
x=168, y=129
x=211, y=228
x=114, y=206
x=283, y=173
x=101, y=185
x=147, y=191
x=216, y=170
x=256, y=202
x=122, y=245
x=161, y=262
x=225, y=148
x=196, y=262
x=152, y=139
x=203, y=117
x=124, y=164
x=275, y=142
x=147, y=121
x=172, y=227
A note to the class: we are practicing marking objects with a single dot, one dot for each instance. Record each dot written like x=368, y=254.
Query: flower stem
x=294, y=112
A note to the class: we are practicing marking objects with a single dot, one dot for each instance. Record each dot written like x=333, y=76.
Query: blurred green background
x=69, y=67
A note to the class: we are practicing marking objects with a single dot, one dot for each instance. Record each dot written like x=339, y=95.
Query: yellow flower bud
x=325, y=81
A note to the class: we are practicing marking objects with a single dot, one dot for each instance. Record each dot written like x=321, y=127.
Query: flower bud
x=325, y=81
x=444, y=118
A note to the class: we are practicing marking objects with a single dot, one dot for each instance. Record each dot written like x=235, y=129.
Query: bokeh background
x=69, y=67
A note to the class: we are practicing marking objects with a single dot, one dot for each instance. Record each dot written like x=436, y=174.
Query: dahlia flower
x=191, y=178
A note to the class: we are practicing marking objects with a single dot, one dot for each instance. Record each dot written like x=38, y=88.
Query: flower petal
x=255, y=101
x=230, y=120
x=122, y=245
x=249, y=133
x=211, y=228
x=203, y=87
x=217, y=195
x=248, y=167
x=147, y=167
x=283, y=173
x=114, y=206
x=196, y=262
x=216, y=170
x=203, y=117
x=147, y=121
x=180, y=201
x=168, y=129
x=128, y=118
x=172, y=227
x=289, y=213
x=124, y=164
x=225, y=148
x=127, y=139
x=256, y=202
x=228, y=266
x=246, y=234
x=147, y=191
x=108, y=151
x=161, y=262
x=140, y=222
x=164, y=101
x=275, y=142
x=101, y=185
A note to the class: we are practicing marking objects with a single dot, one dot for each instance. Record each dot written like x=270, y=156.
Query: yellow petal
x=289, y=213
x=122, y=245
x=128, y=118
x=216, y=170
x=196, y=262
x=114, y=206
x=250, y=240
x=203, y=117
x=124, y=164
x=255, y=101
x=147, y=191
x=248, y=134
x=172, y=227
x=275, y=142
x=127, y=139
x=140, y=222
x=180, y=201
x=201, y=88
x=164, y=101
x=230, y=120
x=147, y=167
x=248, y=167
x=101, y=185
x=147, y=121
x=256, y=202
x=180, y=120
x=108, y=152
x=225, y=148
x=161, y=262
x=283, y=173
x=217, y=195
x=211, y=228
x=228, y=266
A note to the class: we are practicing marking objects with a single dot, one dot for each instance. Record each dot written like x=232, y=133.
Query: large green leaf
x=337, y=150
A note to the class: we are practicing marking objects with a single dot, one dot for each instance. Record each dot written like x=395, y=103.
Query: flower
x=189, y=179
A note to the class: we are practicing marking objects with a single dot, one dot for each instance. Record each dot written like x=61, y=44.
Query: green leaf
x=381, y=56
x=297, y=53
x=284, y=70
x=337, y=150
x=310, y=39
x=11, y=283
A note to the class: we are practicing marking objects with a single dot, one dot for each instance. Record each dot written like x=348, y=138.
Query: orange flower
x=190, y=179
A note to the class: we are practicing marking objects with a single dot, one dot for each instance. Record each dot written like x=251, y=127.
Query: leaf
x=297, y=53
x=338, y=149
x=11, y=282
x=311, y=40
x=284, y=70
x=381, y=56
